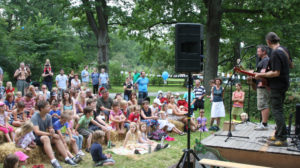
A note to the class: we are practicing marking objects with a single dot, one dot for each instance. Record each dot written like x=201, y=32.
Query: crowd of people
x=69, y=112
x=66, y=114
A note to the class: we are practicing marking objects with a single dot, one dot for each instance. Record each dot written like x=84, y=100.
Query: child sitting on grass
x=25, y=137
x=4, y=126
x=201, y=121
x=144, y=140
x=132, y=139
x=99, y=158
x=83, y=125
x=62, y=122
x=11, y=161
x=117, y=118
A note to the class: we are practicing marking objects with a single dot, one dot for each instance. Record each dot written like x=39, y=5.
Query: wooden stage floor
x=254, y=150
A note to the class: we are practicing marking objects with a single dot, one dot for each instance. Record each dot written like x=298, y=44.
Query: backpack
x=158, y=134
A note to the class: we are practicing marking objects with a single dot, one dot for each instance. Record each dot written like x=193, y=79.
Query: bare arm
x=37, y=131
x=270, y=74
x=17, y=73
x=126, y=139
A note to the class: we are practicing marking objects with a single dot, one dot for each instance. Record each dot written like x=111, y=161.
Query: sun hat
x=157, y=101
x=22, y=156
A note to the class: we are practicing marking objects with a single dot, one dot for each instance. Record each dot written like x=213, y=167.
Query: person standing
x=135, y=78
x=61, y=81
x=217, y=109
x=142, y=85
x=21, y=75
x=1, y=74
x=71, y=76
x=47, y=75
x=263, y=92
x=127, y=89
x=278, y=78
x=95, y=80
x=85, y=77
x=103, y=79
x=199, y=92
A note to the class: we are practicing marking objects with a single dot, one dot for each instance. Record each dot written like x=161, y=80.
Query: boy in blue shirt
x=55, y=112
x=57, y=127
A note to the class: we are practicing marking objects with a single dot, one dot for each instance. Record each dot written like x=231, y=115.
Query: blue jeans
x=126, y=97
x=104, y=85
x=49, y=85
x=142, y=96
x=78, y=139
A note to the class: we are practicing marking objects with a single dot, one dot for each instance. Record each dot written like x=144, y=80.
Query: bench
x=218, y=163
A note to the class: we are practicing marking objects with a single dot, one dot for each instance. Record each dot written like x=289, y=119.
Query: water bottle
x=109, y=144
x=149, y=148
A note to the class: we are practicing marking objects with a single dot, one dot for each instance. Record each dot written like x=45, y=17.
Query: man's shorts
x=263, y=98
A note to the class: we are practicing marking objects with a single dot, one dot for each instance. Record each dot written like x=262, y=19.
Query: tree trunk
x=103, y=45
x=213, y=26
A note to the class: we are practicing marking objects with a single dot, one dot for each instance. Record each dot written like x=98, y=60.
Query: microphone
x=253, y=56
x=250, y=46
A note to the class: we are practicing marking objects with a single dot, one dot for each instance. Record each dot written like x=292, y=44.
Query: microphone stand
x=229, y=134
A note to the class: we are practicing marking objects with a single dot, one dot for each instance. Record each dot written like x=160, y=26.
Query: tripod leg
x=182, y=158
x=195, y=156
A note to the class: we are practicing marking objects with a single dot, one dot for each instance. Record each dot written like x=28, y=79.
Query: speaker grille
x=188, y=47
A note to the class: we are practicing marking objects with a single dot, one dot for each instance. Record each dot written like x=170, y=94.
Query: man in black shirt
x=278, y=79
x=263, y=93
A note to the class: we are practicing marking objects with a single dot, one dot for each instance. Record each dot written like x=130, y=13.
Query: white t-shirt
x=75, y=83
x=62, y=81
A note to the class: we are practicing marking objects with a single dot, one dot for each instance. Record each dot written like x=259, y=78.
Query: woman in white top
x=76, y=83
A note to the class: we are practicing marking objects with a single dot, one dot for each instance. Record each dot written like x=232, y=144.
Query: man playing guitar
x=263, y=93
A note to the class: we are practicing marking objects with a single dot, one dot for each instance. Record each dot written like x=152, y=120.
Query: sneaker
x=182, y=133
x=55, y=164
x=100, y=163
x=165, y=146
x=212, y=128
x=87, y=150
x=112, y=145
x=70, y=162
x=157, y=148
x=81, y=153
x=279, y=143
x=271, y=138
x=77, y=158
x=137, y=152
x=261, y=127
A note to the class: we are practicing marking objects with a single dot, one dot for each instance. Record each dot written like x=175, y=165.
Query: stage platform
x=254, y=150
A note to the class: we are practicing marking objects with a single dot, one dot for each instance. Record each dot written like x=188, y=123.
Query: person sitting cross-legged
x=45, y=134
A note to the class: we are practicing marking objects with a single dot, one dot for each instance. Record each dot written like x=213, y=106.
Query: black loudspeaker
x=189, y=47
x=297, y=120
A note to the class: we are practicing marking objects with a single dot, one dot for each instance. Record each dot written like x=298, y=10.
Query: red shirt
x=10, y=90
x=133, y=118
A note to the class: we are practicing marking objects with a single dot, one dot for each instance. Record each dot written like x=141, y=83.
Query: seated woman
x=133, y=99
x=175, y=114
x=164, y=123
x=68, y=104
x=147, y=116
